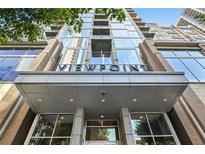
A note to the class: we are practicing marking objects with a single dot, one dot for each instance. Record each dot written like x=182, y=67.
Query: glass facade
x=75, y=45
x=125, y=39
x=191, y=62
x=13, y=60
x=151, y=129
x=54, y=129
x=102, y=131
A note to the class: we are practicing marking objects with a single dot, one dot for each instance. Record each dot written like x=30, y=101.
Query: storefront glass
x=151, y=129
x=52, y=129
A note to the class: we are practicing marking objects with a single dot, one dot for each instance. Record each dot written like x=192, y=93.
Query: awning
x=101, y=92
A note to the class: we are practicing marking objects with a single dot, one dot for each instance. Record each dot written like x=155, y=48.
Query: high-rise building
x=189, y=17
x=112, y=83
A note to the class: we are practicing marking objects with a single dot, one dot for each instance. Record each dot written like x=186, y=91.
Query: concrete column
x=78, y=125
x=127, y=133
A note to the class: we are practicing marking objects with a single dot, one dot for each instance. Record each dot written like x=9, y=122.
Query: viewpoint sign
x=101, y=68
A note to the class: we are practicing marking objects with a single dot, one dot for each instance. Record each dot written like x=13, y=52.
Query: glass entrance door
x=102, y=132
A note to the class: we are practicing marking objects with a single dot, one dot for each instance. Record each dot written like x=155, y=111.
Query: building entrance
x=102, y=132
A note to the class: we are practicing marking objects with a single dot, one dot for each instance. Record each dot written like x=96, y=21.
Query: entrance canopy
x=101, y=92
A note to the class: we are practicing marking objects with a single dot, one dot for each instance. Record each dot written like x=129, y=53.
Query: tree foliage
x=30, y=23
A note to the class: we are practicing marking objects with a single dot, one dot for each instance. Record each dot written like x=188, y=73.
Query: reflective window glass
x=53, y=129
x=33, y=51
x=65, y=40
x=1, y=59
x=10, y=61
x=102, y=134
x=85, y=33
x=81, y=55
x=168, y=54
x=182, y=54
x=179, y=66
x=127, y=57
x=126, y=43
x=164, y=141
x=64, y=125
x=101, y=60
x=60, y=141
x=86, y=25
x=84, y=43
x=202, y=62
x=127, y=23
x=130, y=27
x=44, y=125
x=24, y=64
x=5, y=52
x=196, y=54
x=133, y=34
x=158, y=124
x=39, y=141
x=195, y=68
x=144, y=141
x=19, y=51
x=6, y=65
x=151, y=129
x=120, y=33
x=140, y=125
x=117, y=26
x=87, y=19
x=87, y=15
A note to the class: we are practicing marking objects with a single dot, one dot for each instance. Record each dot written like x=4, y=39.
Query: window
x=117, y=26
x=87, y=19
x=131, y=28
x=86, y=25
x=120, y=33
x=52, y=129
x=87, y=15
x=126, y=43
x=81, y=56
x=169, y=30
x=85, y=33
x=128, y=57
x=151, y=128
x=191, y=62
x=13, y=60
x=101, y=60
x=133, y=34
x=102, y=131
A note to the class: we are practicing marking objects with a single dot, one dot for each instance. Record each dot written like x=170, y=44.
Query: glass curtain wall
x=191, y=62
x=75, y=45
x=126, y=41
x=54, y=129
x=151, y=129
x=13, y=60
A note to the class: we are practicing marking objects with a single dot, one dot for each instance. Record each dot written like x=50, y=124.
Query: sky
x=160, y=16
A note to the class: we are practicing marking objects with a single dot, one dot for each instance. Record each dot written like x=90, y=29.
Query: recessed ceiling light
x=39, y=100
x=102, y=116
x=103, y=100
x=71, y=100
x=165, y=99
x=134, y=100
x=62, y=118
